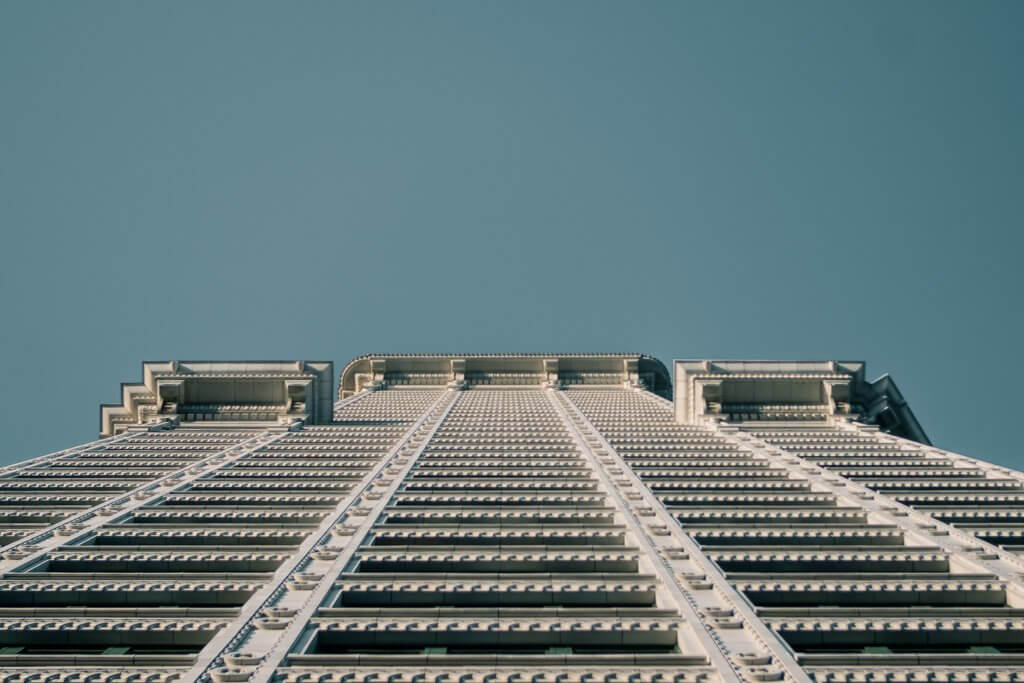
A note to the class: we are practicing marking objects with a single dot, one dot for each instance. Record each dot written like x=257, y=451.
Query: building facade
x=519, y=518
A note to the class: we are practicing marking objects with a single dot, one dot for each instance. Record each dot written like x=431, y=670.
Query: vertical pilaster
x=65, y=453
x=738, y=644
x=924, y=529
x=77, y=527
x=276, y=616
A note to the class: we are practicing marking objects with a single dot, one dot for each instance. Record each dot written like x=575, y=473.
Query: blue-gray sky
x=222, y=180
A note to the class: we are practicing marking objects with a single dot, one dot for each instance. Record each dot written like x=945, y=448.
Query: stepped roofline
x=744, y=390
x=223, y=391
x=479, y=369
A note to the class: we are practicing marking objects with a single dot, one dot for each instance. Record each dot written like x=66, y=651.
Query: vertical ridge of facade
x=510, y=518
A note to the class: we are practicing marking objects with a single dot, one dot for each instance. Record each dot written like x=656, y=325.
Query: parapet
x=791, y=391
x=515, y=369
x=270, y=392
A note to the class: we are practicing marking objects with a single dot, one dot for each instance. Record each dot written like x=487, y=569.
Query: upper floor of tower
x=283, y=393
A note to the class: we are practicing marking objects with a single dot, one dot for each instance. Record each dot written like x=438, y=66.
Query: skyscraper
x=516, y=518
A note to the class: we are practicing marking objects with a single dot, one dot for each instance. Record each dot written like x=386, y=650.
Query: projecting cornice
x=237, y=391
x=790, y=391
x=514, y=369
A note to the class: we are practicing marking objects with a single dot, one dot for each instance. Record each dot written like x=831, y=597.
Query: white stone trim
x=684, y=571
x=315, y=587
x=74, y=528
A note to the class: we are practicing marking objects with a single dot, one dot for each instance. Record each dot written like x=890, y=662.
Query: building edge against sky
x=511, y=517
x=879, y=402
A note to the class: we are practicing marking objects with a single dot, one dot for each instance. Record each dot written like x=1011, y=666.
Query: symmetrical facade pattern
x=527, y=518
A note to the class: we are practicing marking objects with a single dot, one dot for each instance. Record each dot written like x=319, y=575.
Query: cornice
x=373, y=371
x=790, y=391
x=212, y=391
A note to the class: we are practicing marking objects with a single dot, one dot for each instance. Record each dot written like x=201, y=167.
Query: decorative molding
x=789, y=391
x=375, y=371
x=234, y=391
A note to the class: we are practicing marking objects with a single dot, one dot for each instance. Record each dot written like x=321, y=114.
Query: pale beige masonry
x=510, y=518
x=242, y=392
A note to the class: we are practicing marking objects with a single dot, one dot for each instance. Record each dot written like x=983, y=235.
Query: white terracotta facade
x=510, y=518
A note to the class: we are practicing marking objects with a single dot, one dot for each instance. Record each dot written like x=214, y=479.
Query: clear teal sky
x=319, y=180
